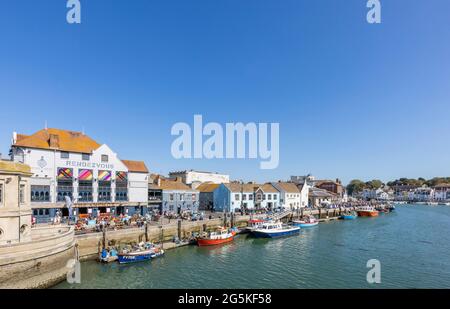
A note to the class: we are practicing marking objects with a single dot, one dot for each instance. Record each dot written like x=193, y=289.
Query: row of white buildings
x=438, y=193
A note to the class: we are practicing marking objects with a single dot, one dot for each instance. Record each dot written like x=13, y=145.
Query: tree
x=355, y=186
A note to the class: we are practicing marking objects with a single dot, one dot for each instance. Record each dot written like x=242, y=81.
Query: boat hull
x=365, y=213
x=275, y=234
x=213, y=242
x=133, y=258
x=304, y=225
x=348, y=217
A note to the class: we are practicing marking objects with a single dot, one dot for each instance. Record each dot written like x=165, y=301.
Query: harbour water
x=412, y=244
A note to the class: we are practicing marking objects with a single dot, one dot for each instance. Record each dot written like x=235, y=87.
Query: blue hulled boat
x=136, y=256
x=275, y=229
x=349, y=217
x=142, y=252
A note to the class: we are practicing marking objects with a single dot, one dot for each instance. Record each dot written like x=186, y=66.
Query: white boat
x=309, y=221
x=275, y=229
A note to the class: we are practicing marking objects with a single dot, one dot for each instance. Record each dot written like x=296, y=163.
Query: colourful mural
x=85, y=175
x=121, y=176
x=104, y=175
x=65, y=173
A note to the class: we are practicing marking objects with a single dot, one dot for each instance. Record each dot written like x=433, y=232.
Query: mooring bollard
x=179, y=229
x=103, y=236
x=146, y=231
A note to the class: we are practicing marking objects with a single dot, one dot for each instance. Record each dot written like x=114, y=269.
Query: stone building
x=15, y=211
x=30, y=257
x=68, y=164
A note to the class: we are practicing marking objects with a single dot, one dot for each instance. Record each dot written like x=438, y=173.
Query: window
x=40, y=193
x=104, y=158
x=171, y=197
x=64, y=155
x=250, y=196
x=244, y=197
x=1, y=193
x=194, y=197
x=274, y=196
x=236, y=197
x=22, y=194
x=181, y=197
x=269, y=196
x=85, y=156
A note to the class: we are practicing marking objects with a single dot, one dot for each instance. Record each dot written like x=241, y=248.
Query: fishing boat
x=254, y=224
x=349, y=216
x=221, y=236
x=309, y=221
x=142, y=252
x=367, y=211
x=275, y=229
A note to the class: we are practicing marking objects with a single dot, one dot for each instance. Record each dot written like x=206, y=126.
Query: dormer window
x=104, y=158
x=64, y=155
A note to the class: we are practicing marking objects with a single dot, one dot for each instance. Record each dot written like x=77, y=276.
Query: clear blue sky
x=353, y=100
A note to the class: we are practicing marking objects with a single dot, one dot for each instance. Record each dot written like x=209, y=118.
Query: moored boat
x=141, y=252
x=275, y=229
x=309, y=221
x=254, y=224
x=218, y=237
x=367, y=211
x=349, y=216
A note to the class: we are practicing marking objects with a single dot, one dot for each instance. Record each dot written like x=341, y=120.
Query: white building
x=195, y=178
x=66, y=163
x=442, y=192
x=267, y=196
x=290, y=195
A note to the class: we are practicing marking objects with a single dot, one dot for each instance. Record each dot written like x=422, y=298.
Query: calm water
x=412, y=244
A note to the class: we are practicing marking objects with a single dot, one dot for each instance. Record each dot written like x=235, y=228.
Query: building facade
x=206, y=195
x=290, y=195
x=176, y=197
x=232, y=197
x=71, y=166
x=15, y=210
x=267, y=197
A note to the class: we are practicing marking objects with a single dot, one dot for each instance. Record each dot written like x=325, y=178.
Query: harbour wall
x=90, y=244
x=39, y=263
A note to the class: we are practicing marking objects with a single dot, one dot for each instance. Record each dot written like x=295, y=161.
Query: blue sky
x=353, y=100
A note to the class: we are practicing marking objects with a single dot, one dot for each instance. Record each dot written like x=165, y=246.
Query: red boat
x=218, y=237
x=367, y=211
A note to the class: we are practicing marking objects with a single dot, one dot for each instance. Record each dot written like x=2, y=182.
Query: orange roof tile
x=169, y=184
x=289, y=187
x=268, y=188
x=207, y=187
x=57, y=139
x=135, y=166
